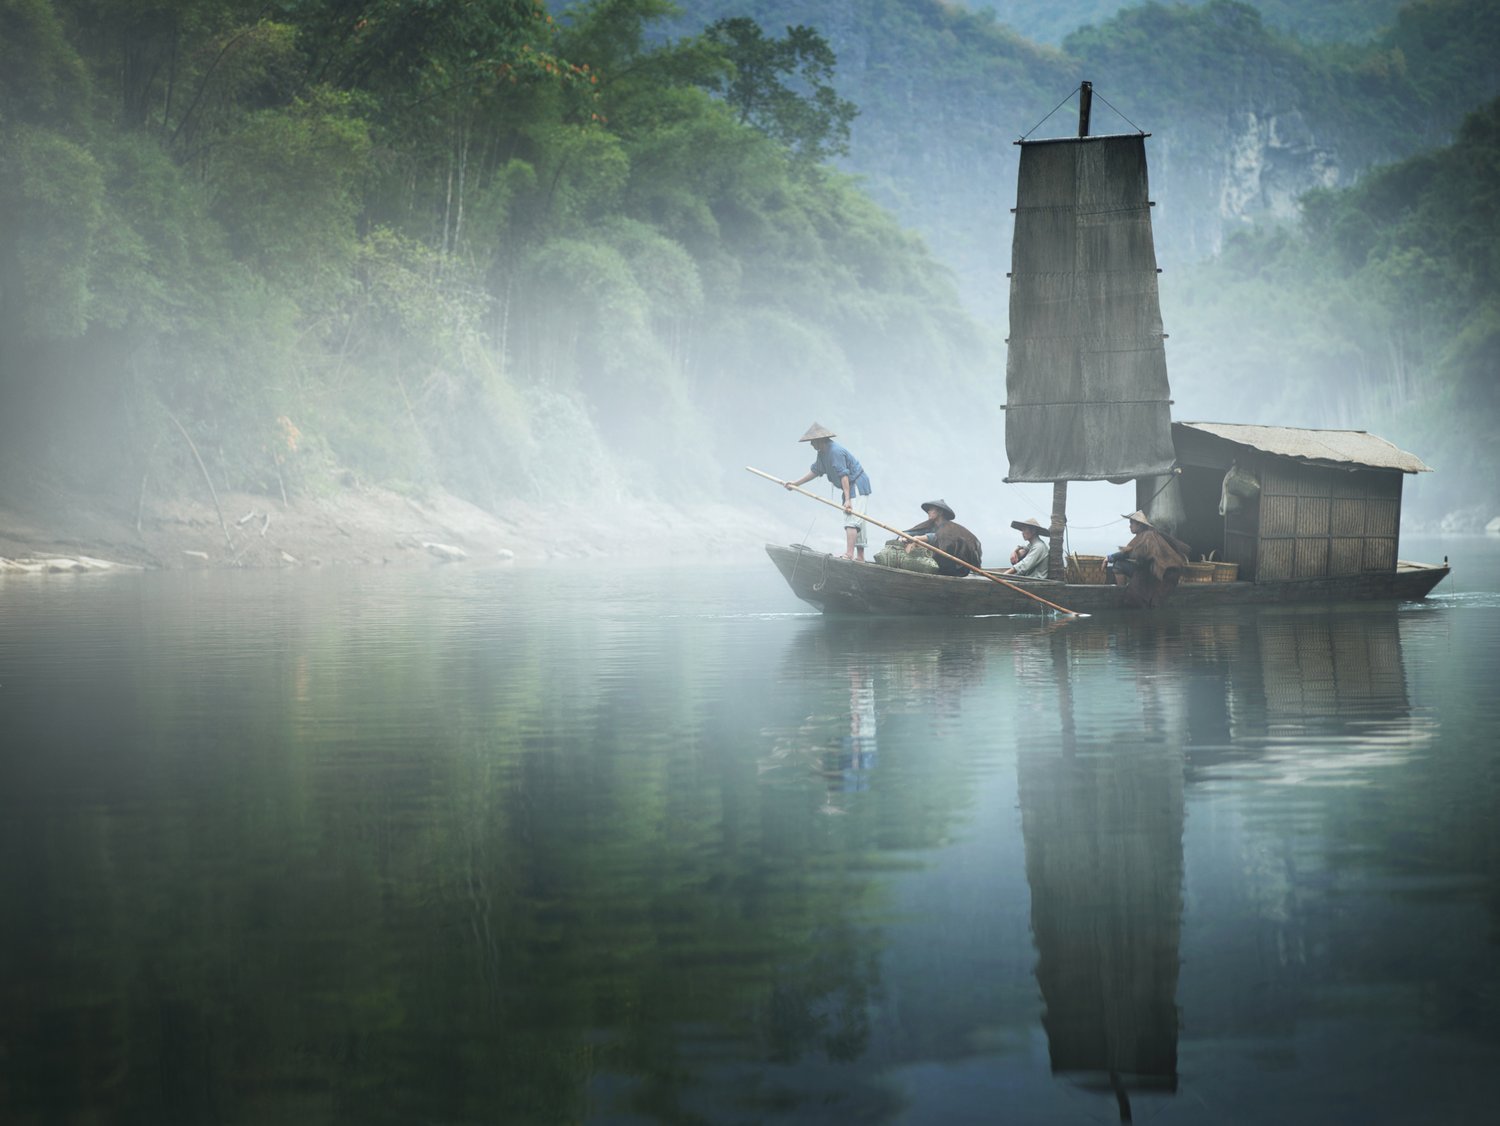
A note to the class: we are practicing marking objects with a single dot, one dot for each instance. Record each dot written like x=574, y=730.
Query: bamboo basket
x=1200, y=572
x=1087, y=569
x=1220, y=572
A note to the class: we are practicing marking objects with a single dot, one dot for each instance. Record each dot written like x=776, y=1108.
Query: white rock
x=107, y=564
x=1493, y=527
x=446, y=552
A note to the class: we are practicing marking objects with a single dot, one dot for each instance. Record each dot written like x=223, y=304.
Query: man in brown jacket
x=1151, y=562
x=942, y=532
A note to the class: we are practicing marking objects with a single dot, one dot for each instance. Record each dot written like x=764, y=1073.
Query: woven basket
x=1198, y=572
x=1088, y=569
x=1226, y=572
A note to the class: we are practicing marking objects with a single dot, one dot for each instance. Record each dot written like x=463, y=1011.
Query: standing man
x=1033, y=561
x=943, y=532
x=849, y=479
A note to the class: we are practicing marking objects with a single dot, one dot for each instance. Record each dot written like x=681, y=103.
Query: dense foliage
x=469, y=245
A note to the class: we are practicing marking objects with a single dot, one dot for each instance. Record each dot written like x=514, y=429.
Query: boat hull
x=836, y=585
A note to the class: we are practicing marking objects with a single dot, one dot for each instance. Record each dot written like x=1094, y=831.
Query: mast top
x=1085, y=94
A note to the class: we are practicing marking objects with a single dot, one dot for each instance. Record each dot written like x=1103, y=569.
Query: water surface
x=582, y=844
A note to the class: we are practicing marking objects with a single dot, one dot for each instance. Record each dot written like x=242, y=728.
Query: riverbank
x=361, y=526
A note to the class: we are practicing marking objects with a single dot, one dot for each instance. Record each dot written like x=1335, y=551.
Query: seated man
x=942, y=532
x=1030, y=559
x=1151, y=563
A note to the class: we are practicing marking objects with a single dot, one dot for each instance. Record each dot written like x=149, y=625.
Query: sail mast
x=1060, y=488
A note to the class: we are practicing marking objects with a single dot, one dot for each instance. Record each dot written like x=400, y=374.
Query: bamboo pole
x=207, y=480
x=913, y=539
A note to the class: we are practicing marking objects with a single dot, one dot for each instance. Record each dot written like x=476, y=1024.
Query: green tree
x=43, y=79
x=783, y=86
x=286, y=189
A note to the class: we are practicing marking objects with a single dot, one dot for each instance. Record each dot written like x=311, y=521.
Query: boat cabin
x=1282, y=502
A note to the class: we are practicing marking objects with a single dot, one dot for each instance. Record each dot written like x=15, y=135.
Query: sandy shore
x=367, y=526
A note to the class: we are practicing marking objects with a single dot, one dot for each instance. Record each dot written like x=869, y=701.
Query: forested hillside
x=475, y=246
x=1380, y=312
x=1244, y=117
x=1337, y=21
x=513, y=252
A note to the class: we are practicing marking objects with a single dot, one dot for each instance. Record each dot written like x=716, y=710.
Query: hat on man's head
x=941, y=506
x=1139, y=517
x=1031, y=526
x=816, y=430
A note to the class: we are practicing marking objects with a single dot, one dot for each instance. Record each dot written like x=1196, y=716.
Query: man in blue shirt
x=849, y=479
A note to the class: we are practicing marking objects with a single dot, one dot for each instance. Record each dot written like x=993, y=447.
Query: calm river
x=592, y=845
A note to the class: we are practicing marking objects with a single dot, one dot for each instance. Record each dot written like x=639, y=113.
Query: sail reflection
x=1102, y=825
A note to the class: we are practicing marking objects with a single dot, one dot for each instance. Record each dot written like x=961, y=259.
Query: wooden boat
x=1301, y=515
x=836, y=585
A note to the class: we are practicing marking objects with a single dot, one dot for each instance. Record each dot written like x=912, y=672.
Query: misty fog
x=597, y=273
x=413, y=710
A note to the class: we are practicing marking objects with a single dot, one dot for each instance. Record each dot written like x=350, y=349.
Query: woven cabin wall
x=1312, y=558
x=1321, y=523
x=1346, y=555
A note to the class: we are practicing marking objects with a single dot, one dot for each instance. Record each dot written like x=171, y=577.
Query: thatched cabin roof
x=1345, y=449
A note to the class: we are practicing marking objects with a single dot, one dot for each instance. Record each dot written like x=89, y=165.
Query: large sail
x=1087, y=397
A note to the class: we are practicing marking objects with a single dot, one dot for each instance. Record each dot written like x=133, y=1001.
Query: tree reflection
x=339, y=901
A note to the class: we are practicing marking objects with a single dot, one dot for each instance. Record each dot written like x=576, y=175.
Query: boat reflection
x=1310, y=694
x=1298, y=694
x=1314, y=665
x=1110, y=725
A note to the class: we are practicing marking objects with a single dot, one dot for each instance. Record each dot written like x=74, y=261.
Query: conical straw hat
x=816, y=430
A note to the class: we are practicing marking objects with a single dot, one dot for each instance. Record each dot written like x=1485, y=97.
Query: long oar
x=923, y=543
